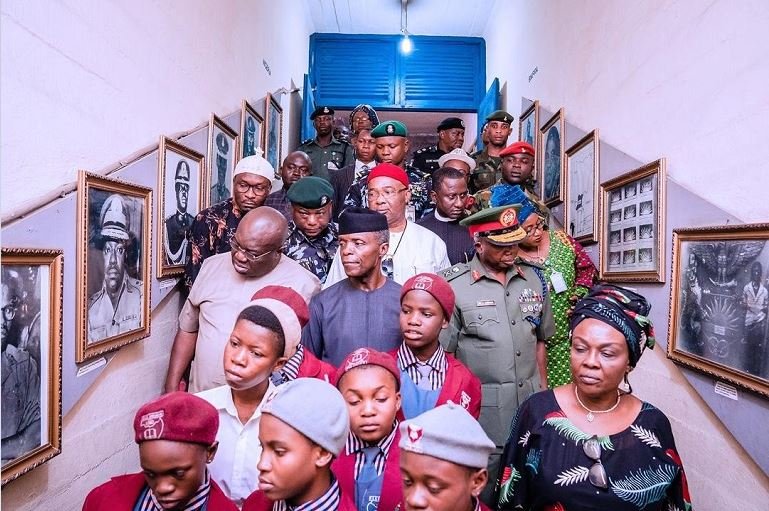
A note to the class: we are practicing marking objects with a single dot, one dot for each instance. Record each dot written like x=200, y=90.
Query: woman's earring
x=626, y=384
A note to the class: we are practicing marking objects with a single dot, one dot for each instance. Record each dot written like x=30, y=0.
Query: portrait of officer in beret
x=180, y=206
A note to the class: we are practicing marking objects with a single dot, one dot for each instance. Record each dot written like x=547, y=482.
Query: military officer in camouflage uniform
x=326, y=152
x=500, y=323
x=451, y=135
x=312, y=237
x=517, y=169
x=392, y=146
x=498, y=129
x=117, y=307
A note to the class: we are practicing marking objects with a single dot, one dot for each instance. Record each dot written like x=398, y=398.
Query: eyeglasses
x=388, y=267
x=250, y=256
x=539, y=226
x=597, y=474
x=259, y=189
x=387, y=193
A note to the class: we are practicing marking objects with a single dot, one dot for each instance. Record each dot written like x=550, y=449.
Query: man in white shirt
x=413, y=249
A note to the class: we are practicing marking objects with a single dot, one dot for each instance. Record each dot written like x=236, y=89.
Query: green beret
x=311, y=192
x=390, y=129
x=500, y=115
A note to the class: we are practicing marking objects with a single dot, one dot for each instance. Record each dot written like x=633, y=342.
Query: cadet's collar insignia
x=507, y=218
x=152, y=425
x=476, y=275
x=390, y=129
x=415, y=433
x=358, y=358
x=324, y=200
x=326, y=110
x=423, y=282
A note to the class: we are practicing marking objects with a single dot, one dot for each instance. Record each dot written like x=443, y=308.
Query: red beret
x=289, y=297
x=178, y=416
x=368, y=356
x=517, y=148
x=391, y=171
x=436, y=286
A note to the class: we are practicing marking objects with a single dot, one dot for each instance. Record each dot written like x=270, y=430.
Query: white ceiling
x=425, y=17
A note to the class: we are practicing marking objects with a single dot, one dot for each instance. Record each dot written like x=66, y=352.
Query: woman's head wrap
x=622, y=309
x=504, y=194
x=369, y=111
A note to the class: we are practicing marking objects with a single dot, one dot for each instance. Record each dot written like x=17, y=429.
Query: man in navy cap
x=326, y=152
x=451, y=135
x=312, y=236
x=498, y=129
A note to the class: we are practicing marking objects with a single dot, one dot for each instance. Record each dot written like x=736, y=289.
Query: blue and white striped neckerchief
x=148, y=502
x=329, y=501
x=290, y=370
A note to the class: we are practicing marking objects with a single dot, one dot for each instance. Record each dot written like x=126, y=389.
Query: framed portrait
x=273, y=132
x=581, y=171
x=222, y=156
x=551, y=159
x=31, y=373
x=633, y=222
x=719, y=301
x=528, y=131
x=113, y=264
x=251, y=129
x=180, y=188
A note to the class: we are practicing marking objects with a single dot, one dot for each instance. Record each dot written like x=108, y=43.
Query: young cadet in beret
x=312, y=237
x=497, y=129
x=429, y=375
x=443, y=456
x=304, y=427
x=176, y=434
x=292, y=311
x=368, y=468
x=255, y=349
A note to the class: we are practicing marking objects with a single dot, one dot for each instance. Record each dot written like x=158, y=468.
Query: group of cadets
x=368, y=394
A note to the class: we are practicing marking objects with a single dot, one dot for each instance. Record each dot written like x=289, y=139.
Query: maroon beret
x=368, y=356
x=436, y=286
x=177, y=416
x=391, y=171
x=289, y=297
x=517, y=148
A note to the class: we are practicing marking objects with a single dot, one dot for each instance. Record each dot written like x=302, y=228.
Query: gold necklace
x=591, y=413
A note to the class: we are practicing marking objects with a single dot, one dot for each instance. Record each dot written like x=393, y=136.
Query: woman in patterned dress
x=588, y=445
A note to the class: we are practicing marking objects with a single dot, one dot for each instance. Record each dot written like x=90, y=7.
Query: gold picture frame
x=718, y=303
x=581, y=213
x=528, y=131
x=223, y=155
x=188, y=167
x=114, y=229
x=633, y=225
x=251, y=139
x=551, y=162
x=273, y=133
x=32, y=327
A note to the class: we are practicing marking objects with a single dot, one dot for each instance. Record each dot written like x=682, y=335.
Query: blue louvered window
x=441, y=73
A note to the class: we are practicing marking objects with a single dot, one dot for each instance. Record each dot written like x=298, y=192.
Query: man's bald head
x=258, y=241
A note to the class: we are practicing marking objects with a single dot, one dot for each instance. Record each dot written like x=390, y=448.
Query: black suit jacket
x=341, y=180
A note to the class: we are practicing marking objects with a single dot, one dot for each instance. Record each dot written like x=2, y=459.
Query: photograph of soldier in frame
x=251, y=129
x=113, y=263
x=222, y=157
x=273, y=132
x=180, y=180
x=31, y=358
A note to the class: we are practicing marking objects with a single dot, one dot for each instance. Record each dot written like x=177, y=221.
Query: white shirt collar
x=442, y=218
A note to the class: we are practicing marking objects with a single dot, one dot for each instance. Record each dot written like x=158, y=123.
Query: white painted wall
x=682, y=79
x=85, y=83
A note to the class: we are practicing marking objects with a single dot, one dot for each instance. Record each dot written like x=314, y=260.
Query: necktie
x=424, y=376
x=368, y=472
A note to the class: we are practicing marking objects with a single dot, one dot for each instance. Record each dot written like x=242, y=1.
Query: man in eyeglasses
x=224, y=285
x=213, y=228
x=413, y=249
x=362, y=310
x=295, y=166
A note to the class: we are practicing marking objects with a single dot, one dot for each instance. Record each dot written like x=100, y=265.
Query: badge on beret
x=326, y=110
x=358, y=358
x=507, y=218
x=152, y=425
x=390, y=129
x=324, y=200
x=462, y=123
x=415, y=433
x=423, y=282
x=506, y=119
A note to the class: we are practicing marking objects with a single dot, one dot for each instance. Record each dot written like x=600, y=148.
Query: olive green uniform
x=494, y=331
x=338, y=152
x=487, y=170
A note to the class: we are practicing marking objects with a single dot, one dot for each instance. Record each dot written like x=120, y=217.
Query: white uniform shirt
x=234, y=466
x=414, y=250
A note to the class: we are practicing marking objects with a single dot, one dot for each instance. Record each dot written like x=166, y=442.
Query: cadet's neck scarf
x=622, y=309
x=148, y=501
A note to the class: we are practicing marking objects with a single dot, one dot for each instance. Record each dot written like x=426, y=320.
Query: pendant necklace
x=591, y=413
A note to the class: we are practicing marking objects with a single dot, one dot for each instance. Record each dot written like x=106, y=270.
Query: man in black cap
x=451, y=135
x=326, y=152
x=498, y=129
x=312, y=236
x=363, y=309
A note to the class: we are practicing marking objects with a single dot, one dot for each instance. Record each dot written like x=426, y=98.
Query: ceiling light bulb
x=406, y=45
